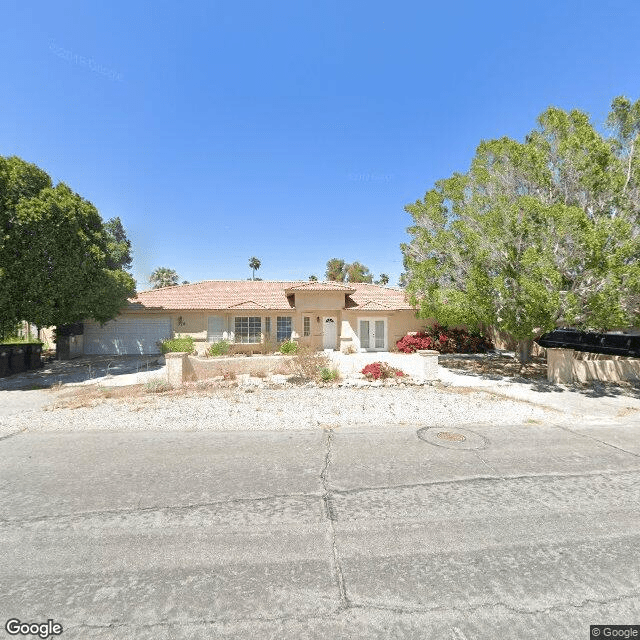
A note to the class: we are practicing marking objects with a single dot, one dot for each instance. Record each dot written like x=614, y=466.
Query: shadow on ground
x=79, y=370
x=502, y=367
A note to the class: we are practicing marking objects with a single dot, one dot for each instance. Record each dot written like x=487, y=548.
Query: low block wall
x=565, y=366
x=182, y=367
x=422, y=365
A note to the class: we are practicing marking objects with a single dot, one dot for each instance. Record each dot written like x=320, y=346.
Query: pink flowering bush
x=380, y=371
x=445, y=340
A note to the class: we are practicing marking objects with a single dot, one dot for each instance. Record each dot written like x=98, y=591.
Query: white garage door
x=124, y=337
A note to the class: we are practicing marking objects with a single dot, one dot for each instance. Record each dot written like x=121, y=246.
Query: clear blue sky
x=294, y=131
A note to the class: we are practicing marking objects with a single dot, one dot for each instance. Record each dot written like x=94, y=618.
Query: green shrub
x=289, y=347
x=178, y=344
x=329, y=375
x=20, y=340
x=219, y=348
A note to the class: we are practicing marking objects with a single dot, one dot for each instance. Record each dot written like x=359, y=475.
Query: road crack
x=332, y=518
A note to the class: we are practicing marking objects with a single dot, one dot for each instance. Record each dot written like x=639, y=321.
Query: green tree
x=118, y=245
x=357, y=272
x=18, y=180
x=313, y=278
x=383, y=279
x=254, y=265
x=55, y=261
x=340, y=271
x=535, y=233
x=336, y=270
x=163, y=277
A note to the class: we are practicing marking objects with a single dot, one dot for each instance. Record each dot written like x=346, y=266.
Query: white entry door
x=329, y=333
x=372, y=334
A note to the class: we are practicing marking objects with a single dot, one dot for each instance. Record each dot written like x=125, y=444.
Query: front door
x=329, y=333
x=372, y=334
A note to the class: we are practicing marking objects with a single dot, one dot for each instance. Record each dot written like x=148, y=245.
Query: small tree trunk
x=524, y=350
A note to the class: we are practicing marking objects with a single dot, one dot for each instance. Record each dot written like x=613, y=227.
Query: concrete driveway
x=393, y=532
x=85, y=370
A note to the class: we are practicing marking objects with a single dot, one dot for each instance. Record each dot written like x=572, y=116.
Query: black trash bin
x=33, y=355
x=5, y=369
x=17, y=362
x=613, y=344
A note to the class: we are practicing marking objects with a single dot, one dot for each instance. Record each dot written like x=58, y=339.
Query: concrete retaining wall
x=182, y=367
x=565, y=366
x=422, y=365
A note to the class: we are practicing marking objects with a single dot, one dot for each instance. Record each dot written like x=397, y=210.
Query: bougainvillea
x=381, y=370
x=444, y=340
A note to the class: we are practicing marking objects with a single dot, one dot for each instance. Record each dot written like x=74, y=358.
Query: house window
x=283, y=328
x=248, y=329
x=267, y=327
x=307, y=326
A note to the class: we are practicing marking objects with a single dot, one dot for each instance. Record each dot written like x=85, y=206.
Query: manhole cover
x=464, y=439
x=449, y=435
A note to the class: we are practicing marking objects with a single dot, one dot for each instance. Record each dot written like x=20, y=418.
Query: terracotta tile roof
x=375, y=294
x=321, y=286
x=263, y=294
x=249, y=304
x=371, y=305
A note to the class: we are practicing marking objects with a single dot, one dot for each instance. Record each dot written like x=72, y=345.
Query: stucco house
x=324, y=315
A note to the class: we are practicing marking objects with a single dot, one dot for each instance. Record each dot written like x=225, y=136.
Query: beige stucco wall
x=194, y=323
x=398, y=324
x=565, y=366
x=319, y=300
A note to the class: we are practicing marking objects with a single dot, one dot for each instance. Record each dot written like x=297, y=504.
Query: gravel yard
x=279, y=408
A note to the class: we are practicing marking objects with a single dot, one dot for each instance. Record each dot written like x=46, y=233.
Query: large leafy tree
x=56, y=266
x=357, y=272
x=336, y=270
x=340, y=271
x=118, y=245
x=163, y=277
x=536, y=233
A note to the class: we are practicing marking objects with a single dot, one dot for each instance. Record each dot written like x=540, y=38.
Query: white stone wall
x=413, y=364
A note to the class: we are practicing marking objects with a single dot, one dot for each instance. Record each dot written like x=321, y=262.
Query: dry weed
x=308, y=363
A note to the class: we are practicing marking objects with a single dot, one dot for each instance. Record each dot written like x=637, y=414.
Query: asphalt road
x=519, y=532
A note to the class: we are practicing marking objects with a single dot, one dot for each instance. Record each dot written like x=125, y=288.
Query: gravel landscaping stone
x=274, y=407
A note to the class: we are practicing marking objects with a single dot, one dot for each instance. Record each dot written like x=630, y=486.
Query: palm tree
x=163, y=277
x=254, y=265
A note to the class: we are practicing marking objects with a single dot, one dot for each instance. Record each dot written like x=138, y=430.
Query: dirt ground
x=497, y=365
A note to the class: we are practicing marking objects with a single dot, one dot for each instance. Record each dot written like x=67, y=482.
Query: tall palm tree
x=254, y=265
